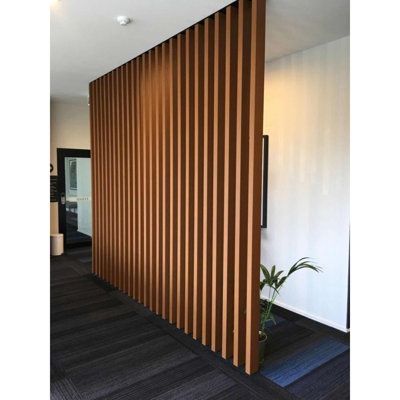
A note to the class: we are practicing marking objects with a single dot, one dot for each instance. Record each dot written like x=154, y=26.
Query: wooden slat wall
x=176, y=171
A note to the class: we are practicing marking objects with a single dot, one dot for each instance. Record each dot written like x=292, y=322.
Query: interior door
x=83, y=197
x=75, y=204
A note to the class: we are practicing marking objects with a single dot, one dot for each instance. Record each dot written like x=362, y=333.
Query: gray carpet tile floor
x=104, y=345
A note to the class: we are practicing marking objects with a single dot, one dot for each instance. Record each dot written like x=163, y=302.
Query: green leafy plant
x=274, y=280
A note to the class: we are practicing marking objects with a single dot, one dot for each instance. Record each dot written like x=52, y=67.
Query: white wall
x=69, y=128
x=307, y=119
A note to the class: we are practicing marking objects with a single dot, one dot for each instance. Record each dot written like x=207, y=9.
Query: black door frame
x=62, y=218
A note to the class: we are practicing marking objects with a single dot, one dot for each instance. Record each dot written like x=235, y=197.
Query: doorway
x=75, y=197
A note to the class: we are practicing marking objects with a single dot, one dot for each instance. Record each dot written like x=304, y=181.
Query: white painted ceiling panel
x=295, y=25
x=87, y=41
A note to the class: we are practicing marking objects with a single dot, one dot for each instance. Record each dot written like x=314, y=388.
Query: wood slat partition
x=176, y=171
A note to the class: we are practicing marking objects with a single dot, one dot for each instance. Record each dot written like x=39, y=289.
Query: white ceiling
x=294, y=25
x=86, y=41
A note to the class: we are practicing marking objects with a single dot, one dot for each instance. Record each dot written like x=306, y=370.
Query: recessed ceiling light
x=123, y=20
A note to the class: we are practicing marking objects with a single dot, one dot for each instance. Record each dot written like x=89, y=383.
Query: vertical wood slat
x=149, y=182
x=181, y=193
x=254, y=192
x=126, y=220
x=119, y=118
x=135, y=198
x=189, y=169
x=218, y=182
x=159, y=231
x=109, y=173
x=149, y=266
x=229, y=181
x=208, y=177
x=120, y=178
x=103, y=83
x=95, y=125
x=113, y=152
x=97, y=176
x=108, y=177
x=145, y=182
x=115, y=210
x=102, y=137
x=176, y=155
x=100, y=179
x=109, y=192
x=145, y=113
x=198, y=179
x=142, y=169
x=137, y=179
x=123, y=181
x=130, y=178
x=105, y=183
x=118, y=128
x=243, y=74
x=111, y=178
x=153, y=152
x=141, y=198
x=165, y=181
x=105, y=180
x=173, y=115
x=118, y=182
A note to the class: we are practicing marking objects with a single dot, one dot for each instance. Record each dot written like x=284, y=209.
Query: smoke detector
x=123, y=20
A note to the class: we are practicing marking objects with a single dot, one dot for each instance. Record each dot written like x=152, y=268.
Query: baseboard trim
x=310, y=316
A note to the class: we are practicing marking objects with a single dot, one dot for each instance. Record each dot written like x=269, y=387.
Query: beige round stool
x=56, y=244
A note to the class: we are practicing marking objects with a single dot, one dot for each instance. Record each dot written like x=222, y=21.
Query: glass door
x=75, y=206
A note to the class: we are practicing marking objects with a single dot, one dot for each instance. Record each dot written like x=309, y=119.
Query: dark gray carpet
x=310, y=360
x=104, y=345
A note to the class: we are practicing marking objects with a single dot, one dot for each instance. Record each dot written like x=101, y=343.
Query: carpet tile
x=105, y=345
x=289, y=368
x=325, y=380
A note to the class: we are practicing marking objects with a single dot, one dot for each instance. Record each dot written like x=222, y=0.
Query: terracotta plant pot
x=262, y=340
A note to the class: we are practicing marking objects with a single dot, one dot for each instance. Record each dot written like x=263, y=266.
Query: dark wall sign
x=264, y=200
x=53, y=188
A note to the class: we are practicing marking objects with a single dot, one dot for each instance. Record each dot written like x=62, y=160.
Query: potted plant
x=274, y=280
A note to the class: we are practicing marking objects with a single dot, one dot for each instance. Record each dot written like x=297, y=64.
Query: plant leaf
x=302, y=264
x=281, y=282
x=278, y=273
x=265, y=272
